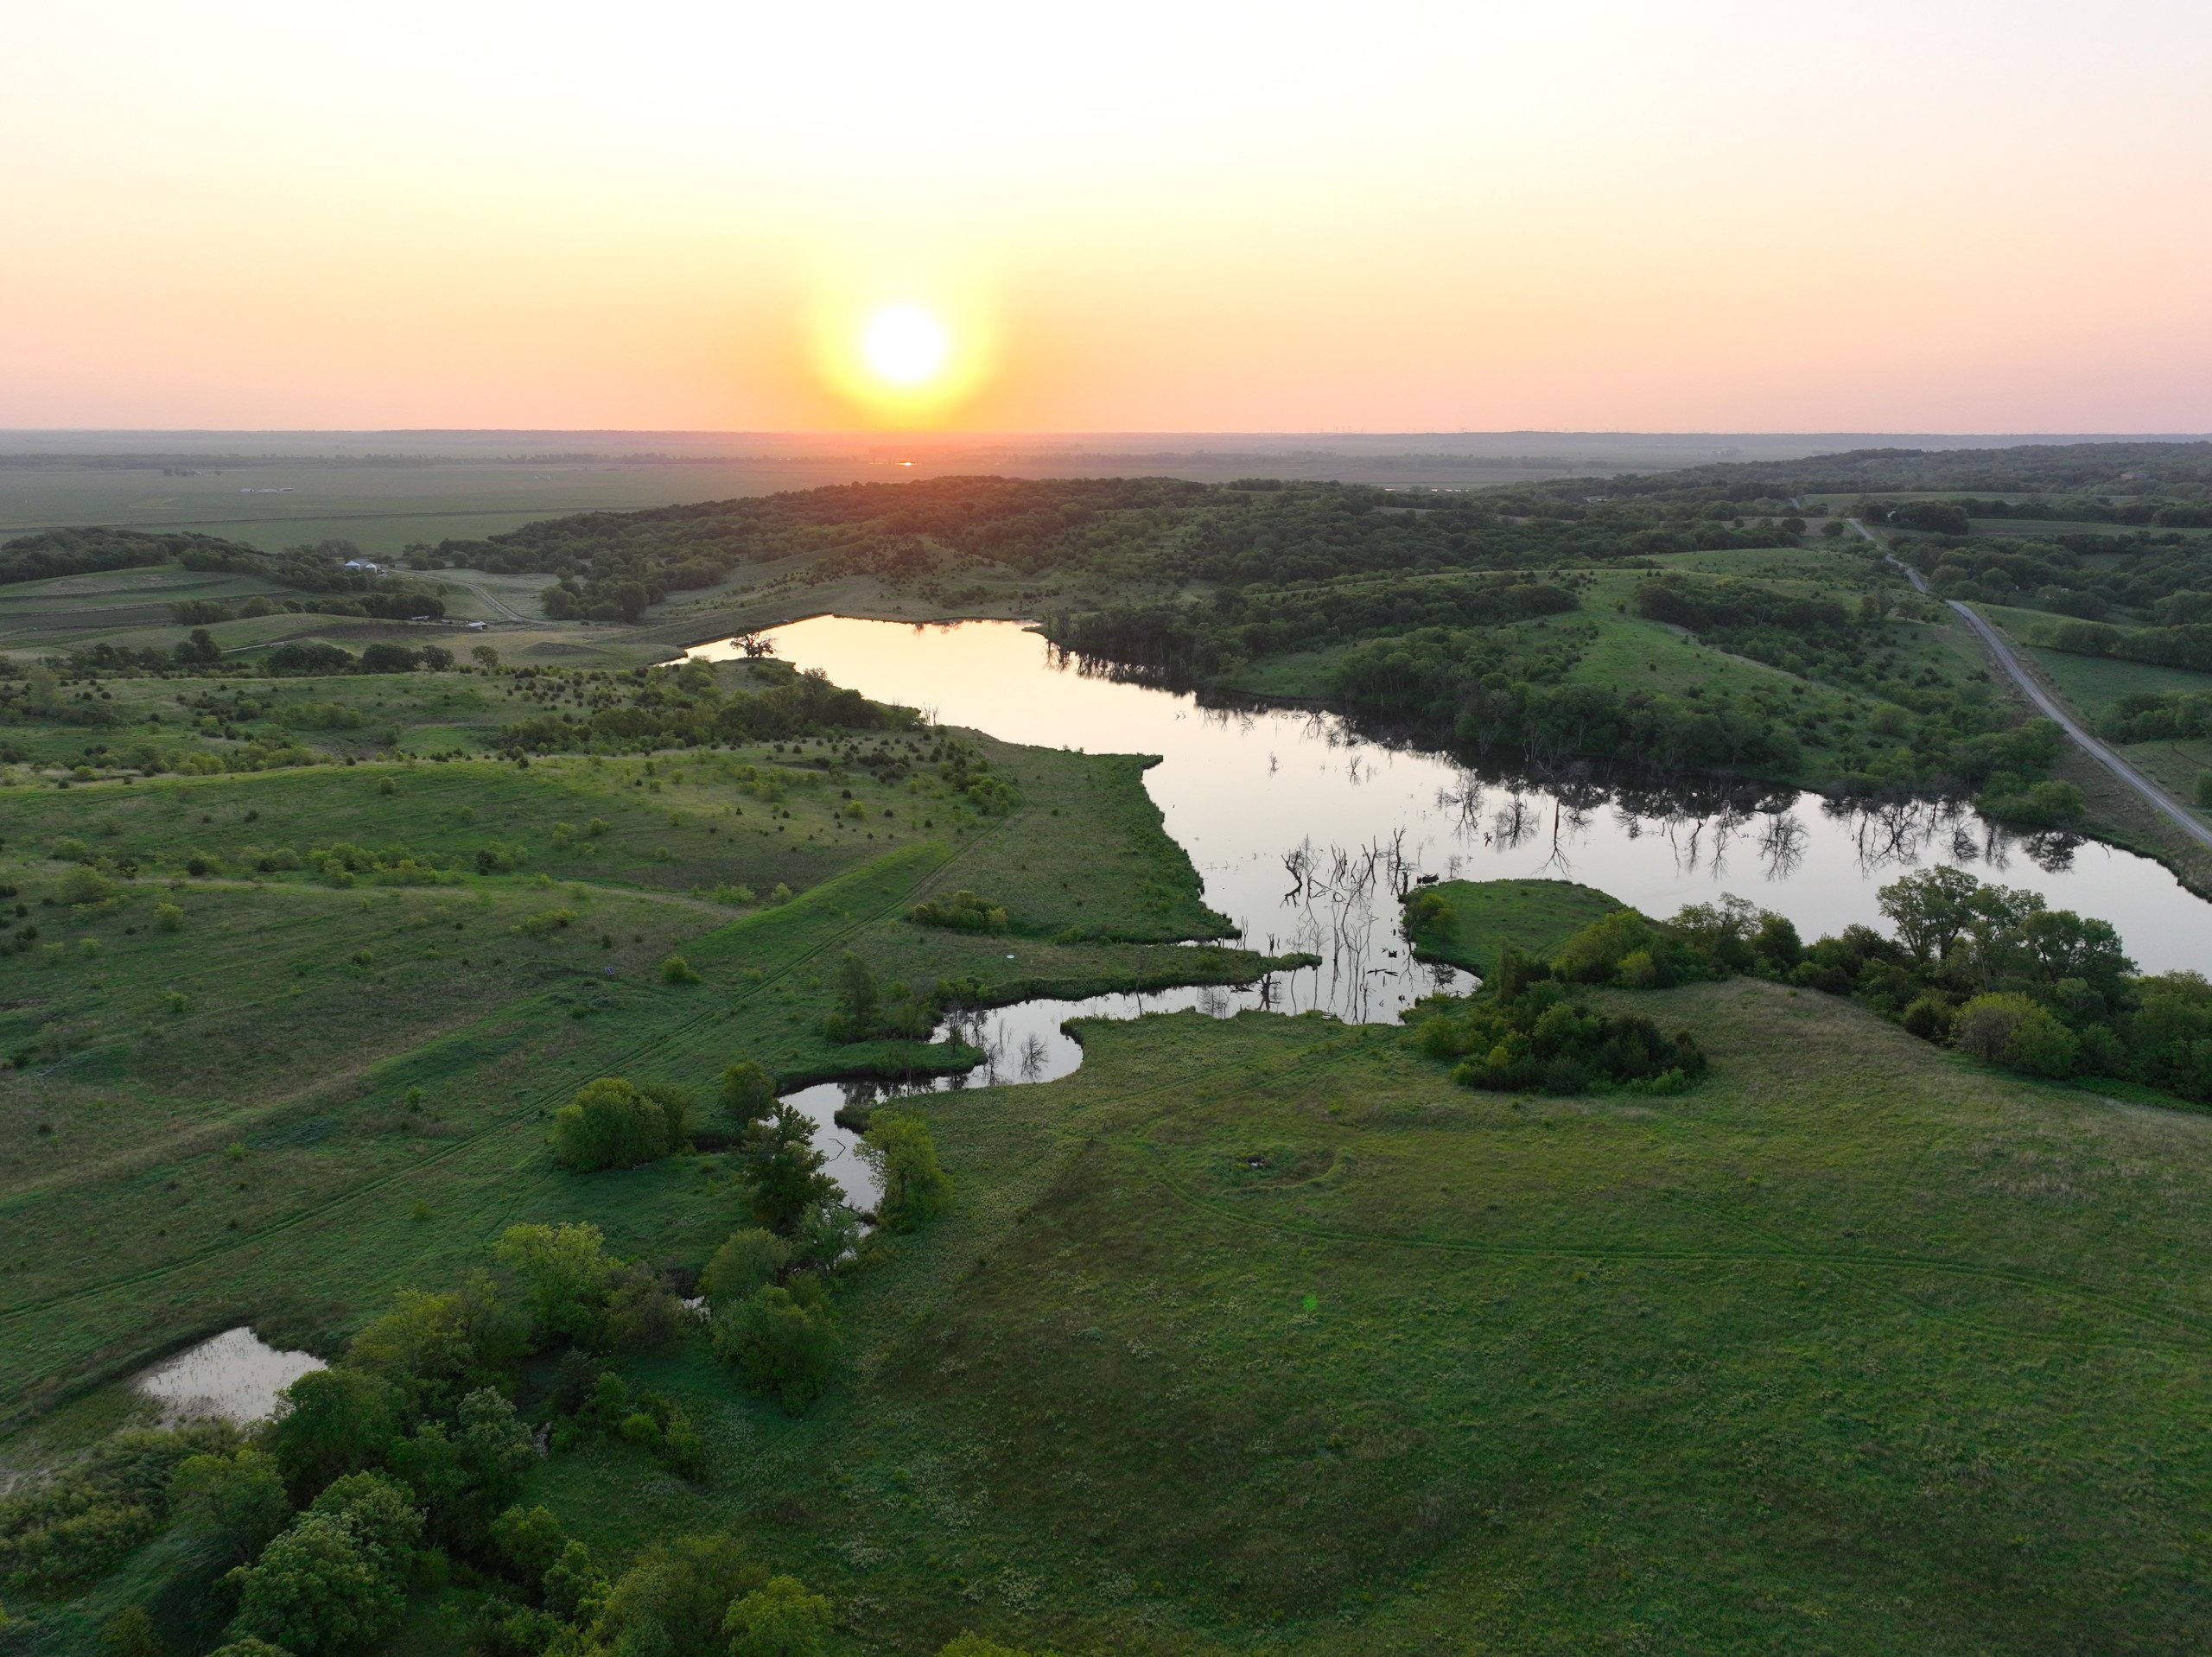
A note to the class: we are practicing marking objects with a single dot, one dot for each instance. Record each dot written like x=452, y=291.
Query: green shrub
x=898, y=1148
x=748, y=1093
x=84, y=884
x=2016, y=1031
x=749, y=1261
x=964, y=911
x=676, y=970
x=611, y=1124
x=781, y=1343
x=80, y=1522
x=169, y=917
x=1537, y=1039
x=778, y=1619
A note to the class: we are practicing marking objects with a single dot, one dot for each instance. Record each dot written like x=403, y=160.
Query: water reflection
x=234, y=1376
x=1308, y=828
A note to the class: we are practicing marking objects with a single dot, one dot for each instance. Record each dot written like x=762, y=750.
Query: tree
x=1932, y=909
x=232, y=1502
x=434, y=658
x=573, y=1586
x=334, y=1421
x=671, y=1601
x=748, y=1261
x=199, y=651
x=528, y=1541
x=566, y=1273
x=748, y=1093
x=898, y=1148
x=781, y=1344
x=336, y=1577
x=858, y=998
x=611, y=1124
x=131, y=1633
x=387, y=659
x=467, y=1475
x=779, y=1160
x=2011, y=1029
x=435, y=1347
x=778, y=1619
x=485, y=656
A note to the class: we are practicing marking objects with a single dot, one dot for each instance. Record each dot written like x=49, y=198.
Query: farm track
x=481, y=1138
x=2049, y=706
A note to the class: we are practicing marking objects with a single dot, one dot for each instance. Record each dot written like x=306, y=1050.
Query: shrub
x=169, y=917
x=388, y=659
x=80, y=1522
x=748, y=1093
x=747, y=1263
x=611, y=1124
x=1538, y=1039
x=780, y=1344
x=676, y=970
x=2204, y=789
x=2011, y=1029
x=964, y=911
x=336, y=1577
x=896, y=1147
x=234, y=1502
x=778, y=1619
x=1928, y=1017
x=84, y=884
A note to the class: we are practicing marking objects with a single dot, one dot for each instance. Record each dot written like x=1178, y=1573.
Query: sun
x=905, y=345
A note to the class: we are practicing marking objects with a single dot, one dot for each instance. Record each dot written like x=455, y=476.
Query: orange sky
x=1949, y=215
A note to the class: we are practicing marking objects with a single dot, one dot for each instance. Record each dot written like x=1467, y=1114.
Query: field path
x=2056, y=711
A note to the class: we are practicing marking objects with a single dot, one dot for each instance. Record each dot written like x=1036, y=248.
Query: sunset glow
x=1610, y=216
x=904, y=344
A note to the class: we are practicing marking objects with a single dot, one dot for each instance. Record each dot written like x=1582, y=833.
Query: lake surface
x=1305, y=831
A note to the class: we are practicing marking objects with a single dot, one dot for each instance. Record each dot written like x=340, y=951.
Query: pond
x=233, y=1376
x=1305, y=829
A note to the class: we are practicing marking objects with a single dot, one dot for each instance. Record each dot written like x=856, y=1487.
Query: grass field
x=380, y=507
x=1536, y=917
x=209, y=1102
x=1266, y=1337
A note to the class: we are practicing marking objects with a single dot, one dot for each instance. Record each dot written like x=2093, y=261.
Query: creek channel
x=1307, y=829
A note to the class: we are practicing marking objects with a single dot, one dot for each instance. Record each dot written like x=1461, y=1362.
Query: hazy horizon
x=1717, y=217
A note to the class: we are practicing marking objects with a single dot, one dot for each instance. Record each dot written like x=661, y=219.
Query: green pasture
x=212, y=1064
x=1470, y=918
x=2092, y=683
x=1265, y=1336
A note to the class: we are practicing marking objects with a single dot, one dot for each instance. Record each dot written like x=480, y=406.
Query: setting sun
x=905, y=345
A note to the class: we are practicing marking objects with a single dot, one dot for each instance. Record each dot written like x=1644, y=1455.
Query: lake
x=1305, y=829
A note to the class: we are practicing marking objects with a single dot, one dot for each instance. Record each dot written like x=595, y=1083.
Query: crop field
x=380, y=507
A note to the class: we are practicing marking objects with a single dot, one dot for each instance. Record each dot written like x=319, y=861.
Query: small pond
x=233, y=1376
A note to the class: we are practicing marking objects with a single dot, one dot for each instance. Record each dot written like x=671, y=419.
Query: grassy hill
x=1266, y=1337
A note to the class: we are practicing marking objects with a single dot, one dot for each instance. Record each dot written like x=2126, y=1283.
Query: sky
x=1893, y=215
